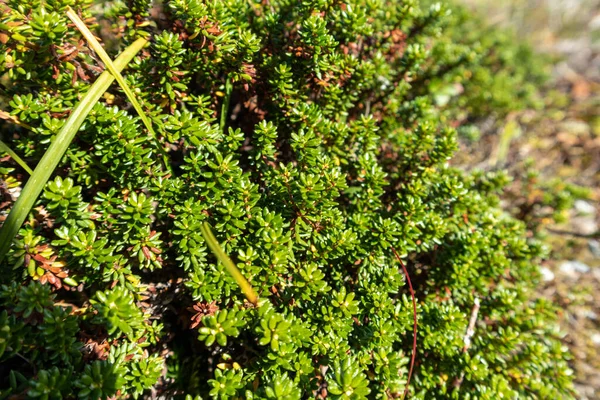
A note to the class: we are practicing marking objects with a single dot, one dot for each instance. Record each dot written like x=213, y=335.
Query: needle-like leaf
x=229, y=265
x=99, y=50
x=4, y=148
x=57, y=149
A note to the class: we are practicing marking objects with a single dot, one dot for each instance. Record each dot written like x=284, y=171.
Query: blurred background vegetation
x=551, y=151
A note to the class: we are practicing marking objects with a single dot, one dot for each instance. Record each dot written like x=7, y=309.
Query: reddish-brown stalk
x=414, y=301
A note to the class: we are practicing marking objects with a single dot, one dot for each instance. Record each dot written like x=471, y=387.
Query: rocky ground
x=562, y=142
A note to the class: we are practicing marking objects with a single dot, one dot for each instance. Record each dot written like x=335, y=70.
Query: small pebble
x=594, y=246
x=15, y=192
x=584, y=225
x=584, y=207
x=547, y=275
x=589, y=314
x=575, y=127
x=572, y=267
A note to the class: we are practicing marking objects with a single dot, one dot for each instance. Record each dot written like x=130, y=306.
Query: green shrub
x=314, y=137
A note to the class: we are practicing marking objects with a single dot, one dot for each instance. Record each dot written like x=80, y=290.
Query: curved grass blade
x=229, y=265
x=99, y=50
x=4, y=148
x=225, y=106
x=57, y=149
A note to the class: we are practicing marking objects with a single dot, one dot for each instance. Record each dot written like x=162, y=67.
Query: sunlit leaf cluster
x=313, y=136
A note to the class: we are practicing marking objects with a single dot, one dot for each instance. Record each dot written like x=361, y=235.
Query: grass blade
x=95, y=45
x=57, y=149
x=229, y=265
x=4, y=148
x=225, y=106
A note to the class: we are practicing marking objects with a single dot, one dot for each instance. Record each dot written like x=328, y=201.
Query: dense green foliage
x=313, y=136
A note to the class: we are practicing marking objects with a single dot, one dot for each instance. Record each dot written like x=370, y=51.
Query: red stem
x=414, y=301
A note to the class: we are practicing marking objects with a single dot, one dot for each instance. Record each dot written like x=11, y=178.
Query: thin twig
x=471, y=328
x=12, y=118
x=414, y=301
x=468, y=336
x=26, y=360
x=575, y=234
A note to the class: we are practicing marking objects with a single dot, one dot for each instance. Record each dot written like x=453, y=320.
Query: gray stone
x=547, y=275
x=573, y=267
x=584, y=207
x=594, y=246
x=584, y=225
x=575, y=127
